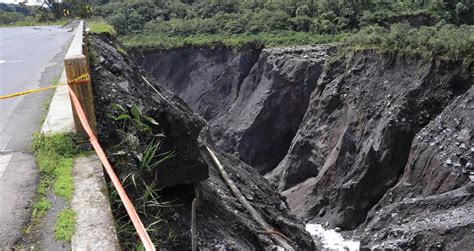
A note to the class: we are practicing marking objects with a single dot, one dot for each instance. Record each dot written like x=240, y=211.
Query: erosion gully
x=358, y=146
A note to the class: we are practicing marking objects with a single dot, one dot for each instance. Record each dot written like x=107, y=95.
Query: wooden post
x=76, y=64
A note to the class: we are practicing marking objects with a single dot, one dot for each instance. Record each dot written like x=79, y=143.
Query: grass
x=100, y=27
x=65, y=225
x=158, y=41
x=55, y=156
x=40, y=208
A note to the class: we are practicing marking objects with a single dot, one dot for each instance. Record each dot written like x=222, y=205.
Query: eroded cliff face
x=432, y=203
x=373, y=142
x=254, y=100
x=390, y=135
x=163, y=194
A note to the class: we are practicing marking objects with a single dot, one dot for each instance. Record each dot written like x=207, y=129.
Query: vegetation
x=55, y=155
x=444, y=40
x=269, y=23
x=40, y=208
x=199, y=17
x=101, y=27
x=234, y=41
x=49, y=13
x=13, y=13
x=65, y=225
x=170, y=24
x=137, y=157
x=21, y=15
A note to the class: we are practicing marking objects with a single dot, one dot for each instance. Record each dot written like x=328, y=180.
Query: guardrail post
x=76, y=64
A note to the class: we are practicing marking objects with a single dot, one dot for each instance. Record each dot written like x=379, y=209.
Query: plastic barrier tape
x=79, y=80
x=141, y=230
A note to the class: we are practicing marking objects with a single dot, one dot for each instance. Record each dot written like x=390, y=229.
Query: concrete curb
x=59, y=118
x=95, y=228
x=95, y=225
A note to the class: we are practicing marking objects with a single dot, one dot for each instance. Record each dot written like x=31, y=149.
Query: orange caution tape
x=147, y=243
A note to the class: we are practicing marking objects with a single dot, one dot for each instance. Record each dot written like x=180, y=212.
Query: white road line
x=9, y=61
x=4, y=160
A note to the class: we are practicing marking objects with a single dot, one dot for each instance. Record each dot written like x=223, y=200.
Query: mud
x=222, y=221
x=253, y=99
x=361, y=143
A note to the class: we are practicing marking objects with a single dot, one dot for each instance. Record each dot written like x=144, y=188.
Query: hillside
x=354, y=115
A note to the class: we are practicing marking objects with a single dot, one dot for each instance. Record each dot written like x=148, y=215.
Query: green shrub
x=100, y=27
x=232, y=41
x=201, y=22
x=443, y=40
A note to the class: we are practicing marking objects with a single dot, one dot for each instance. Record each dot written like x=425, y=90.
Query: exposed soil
x=222, y=221
x=369, y=143
x=253, y=99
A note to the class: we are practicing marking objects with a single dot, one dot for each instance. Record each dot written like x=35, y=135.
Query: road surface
x=30, y=57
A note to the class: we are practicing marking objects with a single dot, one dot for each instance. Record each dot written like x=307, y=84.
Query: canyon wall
x=254, y=100
x=126, y=98
x=344, y=142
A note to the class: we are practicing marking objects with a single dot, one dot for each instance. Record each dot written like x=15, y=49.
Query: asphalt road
x=30, y=57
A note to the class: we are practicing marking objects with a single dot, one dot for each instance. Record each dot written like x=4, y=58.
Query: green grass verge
x=55, y=156
x=100, y=27
x=65, y=225
x=158, y=41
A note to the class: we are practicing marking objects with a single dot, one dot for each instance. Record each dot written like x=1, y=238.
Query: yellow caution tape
x=81, y=79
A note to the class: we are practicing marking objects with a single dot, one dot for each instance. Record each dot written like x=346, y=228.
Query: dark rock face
x=434, y=197
x=222, y=221
x=117, y=81
x=373, y=142
x=368, y=128
x=254, y=100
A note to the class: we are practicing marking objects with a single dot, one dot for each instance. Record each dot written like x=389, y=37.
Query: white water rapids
x=331, y=239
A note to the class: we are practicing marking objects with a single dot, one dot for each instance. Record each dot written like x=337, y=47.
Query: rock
x=331, y=150
x=116, y=68
x=449, y=162
x=322, y=213
x=274, y=248
x=249, y=196
x=350, y=153
x=469, y=166
x=124, y=85
x=337, y=229
x=239, y=95
x=187, y=172
x=282, y=206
